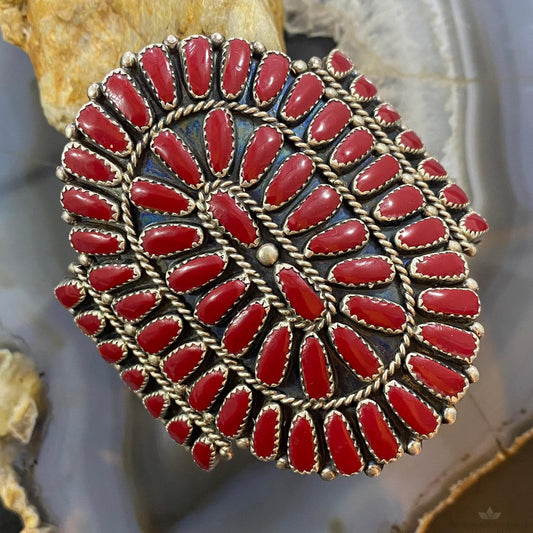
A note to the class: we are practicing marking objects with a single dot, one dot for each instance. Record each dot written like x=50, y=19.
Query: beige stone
x=73, y=44
x=20, y=390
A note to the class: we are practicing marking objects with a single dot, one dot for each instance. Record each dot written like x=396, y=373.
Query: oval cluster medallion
x=269, y=260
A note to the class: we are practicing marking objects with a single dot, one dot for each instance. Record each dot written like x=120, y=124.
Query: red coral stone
x=435, y=376
x=302, y=445
x=409, y=141
x=155, y=196
x=352, y=148
x=363, y=271
x=206, y=389
x=136, y=305
x=314, y=366
x=306, y=92
x=273, y=72
x=95, y=242
x=159, y=333
x=127, y=100
x=273, y=357
x=441, y=265
x=377, y=432
x=89, y=165
x=432, y=169
x=203, y=454
x=452, y=195
x=377, y=175
x=356, y=352
x=182, y=361
x=70, y=294
x=171, y=149
x=157, y=66
x=341, y=444
x=363, y=88
x=112, y=351
x=90, y=322
x=218, y=130
x=233, y=218
x=450, y=340
x=349, y=235
x=104, y=131
x=234, y=411
x=424, y=233
x=338, y=64
x=265, y=435
x=300, y=295
x=219, y=301
x=376, y=313
x=450, y=301
x=179, y=428
x=170, y=239
x=386, y=115
x=413, y=411
x=400, y=203
x=195, y=273
x=293, y=174
x=244, y=327
x=197, y=54
x=264, y=144
x=475, y=223
x=87, y=204
x=107, y=277
x=155, y=405
x=236, y=66
x=329, y=122
x=316, y=208
x=134, y=377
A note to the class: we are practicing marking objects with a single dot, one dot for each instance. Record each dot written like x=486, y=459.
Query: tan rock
x=72, y=44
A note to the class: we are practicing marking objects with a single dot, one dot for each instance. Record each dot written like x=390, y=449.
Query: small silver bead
x=381, y=148
x=243, y=443
x=71, y=132
x=282, y=463
x=454, y=246
x=472, y=284
x=130, y=330
x=84, y=259
x=408, y=178
x=171, y=41
x=267, y=254
x=68, y=218
x=472, y=373
x=106, y=298
x=128, y=60
x=315, y=62
x=431, y=210
x=154, y=360
x=358, y=120
x=414, y=447
x=330, y=92
x=328, y=474
x=258, y=48
x=61, y=174
x=299, y=66
x=94, y=91
x=217, y=39
x=373, y=470
x=73, y=268
x=449, y=415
